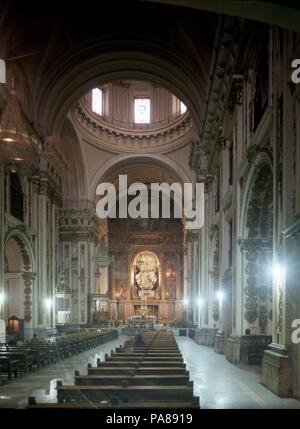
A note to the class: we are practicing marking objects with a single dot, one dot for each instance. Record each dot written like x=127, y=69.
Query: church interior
x=94, y=310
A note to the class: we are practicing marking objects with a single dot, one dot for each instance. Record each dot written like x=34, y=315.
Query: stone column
x=79, y=232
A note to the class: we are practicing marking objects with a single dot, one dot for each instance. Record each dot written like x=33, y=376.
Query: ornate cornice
x=165, y=136
x=44, y=186
x=255, y=244
x=79, y=225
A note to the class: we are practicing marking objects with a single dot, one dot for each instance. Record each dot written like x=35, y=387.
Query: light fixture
x=220, y=296
x=2, y=298
x=18, y=141
x=48, y=302
x=200, y=302
x=278, y=272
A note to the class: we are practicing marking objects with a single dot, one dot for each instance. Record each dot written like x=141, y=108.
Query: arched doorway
x=18, y=281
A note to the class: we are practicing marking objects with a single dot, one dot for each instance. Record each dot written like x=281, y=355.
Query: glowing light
x=97, y=102
x=278, y=272
x=2, y=298
x=185, y=302
x=182, y=108
x=48, y=302
x=142, y=111
x=200, y=302
x=220, y=296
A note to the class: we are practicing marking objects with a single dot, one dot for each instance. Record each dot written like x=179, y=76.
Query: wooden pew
x=138, y=358
x=25, y=362
x=67, y=393
x=38, y=356
x=144, y=363
x=132, y=379
x=9, y=367
x=150, y=376
x=116, y=404
x=126, y=370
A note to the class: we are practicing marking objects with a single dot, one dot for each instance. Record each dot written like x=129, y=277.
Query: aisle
x=42, y=383
x=220, y=384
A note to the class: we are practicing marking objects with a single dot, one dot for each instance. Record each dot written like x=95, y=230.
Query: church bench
x=163, y=354
x=132, y=380
x=166, y=363
x=151, y=350
x=49, y=354
x=25, y=362
x=148, y=353
x=32, y=404
x=47, y=350
x=140, y=371
x=128, y=354
x=144, y=363
x=9, y=367
x=77, y=343
x=134, y=358
x=39, y=356
x=66, y=393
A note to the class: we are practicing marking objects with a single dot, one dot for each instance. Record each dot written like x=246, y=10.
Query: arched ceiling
x=140, y=168
x=65, y=50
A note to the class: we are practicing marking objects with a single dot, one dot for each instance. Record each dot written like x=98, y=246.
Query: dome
x=132, y=115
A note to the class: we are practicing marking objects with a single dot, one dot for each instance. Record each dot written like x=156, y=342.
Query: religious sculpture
x=145, y=275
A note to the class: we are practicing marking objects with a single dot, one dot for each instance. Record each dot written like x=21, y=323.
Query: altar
x=142, y=321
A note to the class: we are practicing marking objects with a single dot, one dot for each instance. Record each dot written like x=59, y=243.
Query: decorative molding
x=236, y=93
x=227, y=199
x=219, y=92
x=28, y=279
x=166, y=136
x=44, y=186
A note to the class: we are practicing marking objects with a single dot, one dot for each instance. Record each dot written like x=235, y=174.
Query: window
x=182, y=108
x=16, y=197
x=97, y=101
x=142, y=110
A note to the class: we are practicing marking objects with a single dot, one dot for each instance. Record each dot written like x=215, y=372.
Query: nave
x=218, y=383
x=141, y=96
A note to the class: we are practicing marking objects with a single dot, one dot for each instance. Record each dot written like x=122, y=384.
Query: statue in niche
x=146, y=275
x=121, y=290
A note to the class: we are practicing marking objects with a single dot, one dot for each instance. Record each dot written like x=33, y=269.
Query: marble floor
x=217, y=382
x=220, y=384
